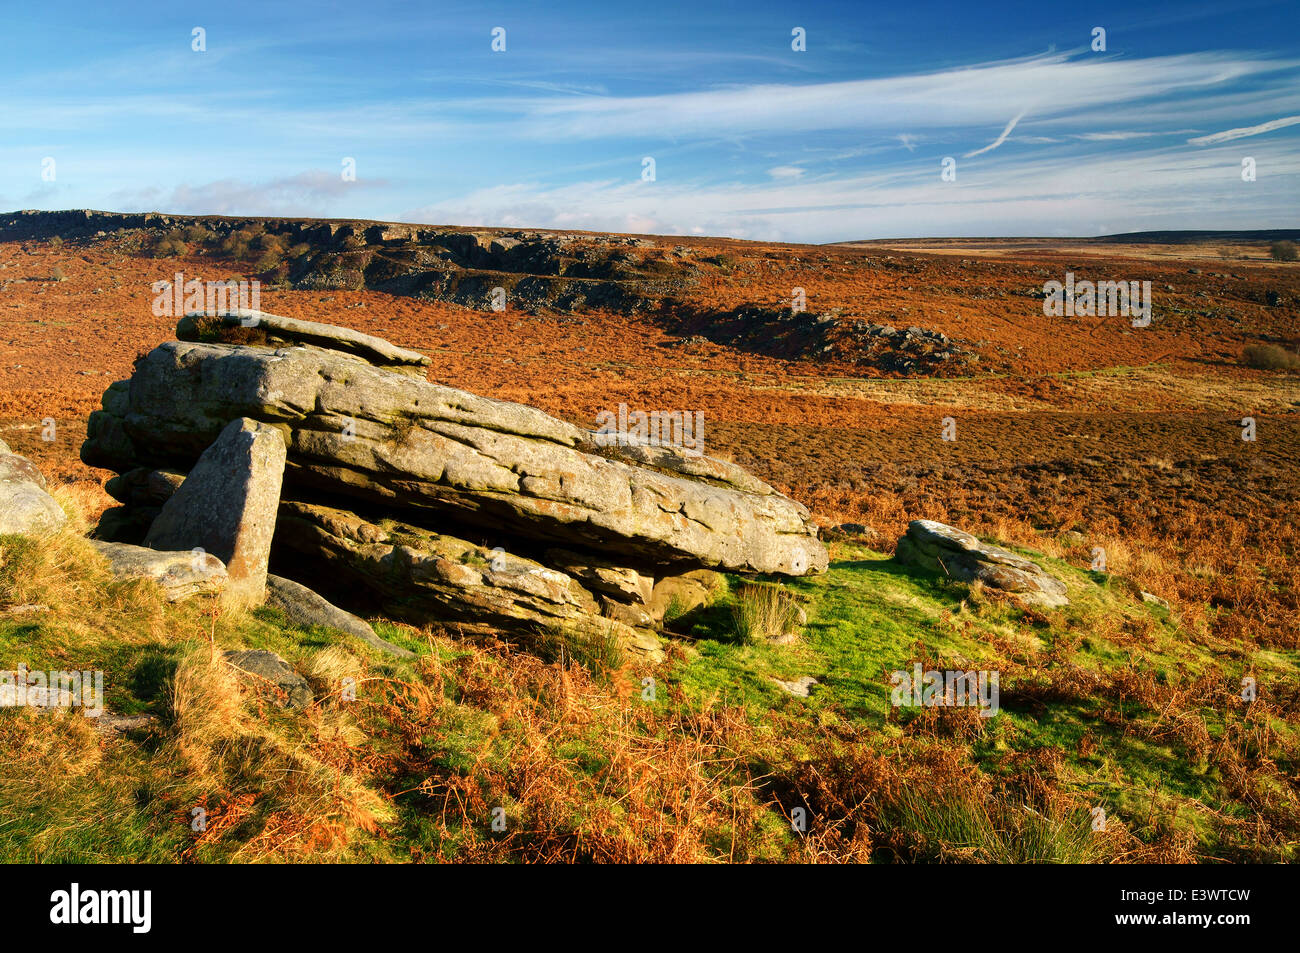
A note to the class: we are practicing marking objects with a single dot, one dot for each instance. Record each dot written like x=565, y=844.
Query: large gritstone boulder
x=378, y=437
x=431, y=503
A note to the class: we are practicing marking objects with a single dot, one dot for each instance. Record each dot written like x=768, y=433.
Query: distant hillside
x=537, y=268
x=1173, y=237
x=1195, y=237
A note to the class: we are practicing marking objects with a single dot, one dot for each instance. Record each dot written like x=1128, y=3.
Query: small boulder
x=683, y=593
x=800, y=687
x=1150, y=598
x=181, y=575
x=111, y=724
x=309, y=608
x=958, y=554
x=142, y=486
x=269, y=670
x=227, y=506
x=25, y=507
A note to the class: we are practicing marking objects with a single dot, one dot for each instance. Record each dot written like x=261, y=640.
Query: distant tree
x=1283, y=251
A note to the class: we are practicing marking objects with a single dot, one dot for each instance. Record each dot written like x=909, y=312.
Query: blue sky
x=749, y=138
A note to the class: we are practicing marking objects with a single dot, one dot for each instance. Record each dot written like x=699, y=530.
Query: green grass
x=869, y=616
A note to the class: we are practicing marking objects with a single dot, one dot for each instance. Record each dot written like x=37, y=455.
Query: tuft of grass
x=763, y=612
x=677, y=608
x=593, y=646
x=966, y=828
x=205, y=707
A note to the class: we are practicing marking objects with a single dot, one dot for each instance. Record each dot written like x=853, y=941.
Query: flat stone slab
x=181, y=575
x=309, y=608
x=227, y=506
x=282, y=330
x=946, y=549
x=25, y=507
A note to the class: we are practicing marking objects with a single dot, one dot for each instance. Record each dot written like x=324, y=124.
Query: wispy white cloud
x=1099, y=140
x=314, y=193
x=1167, y=187
x=1049, y=86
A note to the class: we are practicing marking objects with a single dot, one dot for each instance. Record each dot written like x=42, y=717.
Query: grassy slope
x=870, y=616
x=1107, y=703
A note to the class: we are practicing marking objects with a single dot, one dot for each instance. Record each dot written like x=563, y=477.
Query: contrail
x=1229, y=134
x=1000, y=139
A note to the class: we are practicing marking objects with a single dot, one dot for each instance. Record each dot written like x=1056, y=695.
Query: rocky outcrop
x=808, y=336
x=180, y=575
x=958, y=554
x=227, y=506
x=555, y=270
x=439, y=504
x=361, y=432
x=25, y=507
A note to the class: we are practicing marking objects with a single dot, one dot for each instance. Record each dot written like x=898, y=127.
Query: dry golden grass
x=303, y=784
